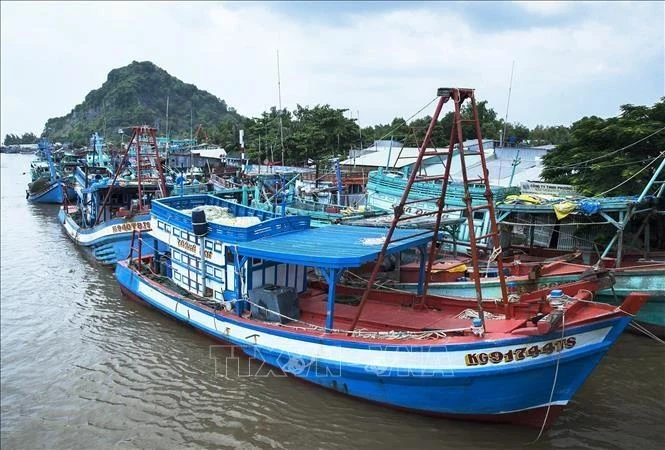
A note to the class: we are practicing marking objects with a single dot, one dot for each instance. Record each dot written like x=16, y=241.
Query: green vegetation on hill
x=136, y=95
x=590, y=153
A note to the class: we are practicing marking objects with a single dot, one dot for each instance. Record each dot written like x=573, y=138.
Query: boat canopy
x=333, y=247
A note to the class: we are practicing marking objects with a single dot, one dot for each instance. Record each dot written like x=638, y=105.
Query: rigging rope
x=405, y=122
x=633, y=176
x=576, y=165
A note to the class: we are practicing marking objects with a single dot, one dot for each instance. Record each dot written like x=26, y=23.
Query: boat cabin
x=238, y=252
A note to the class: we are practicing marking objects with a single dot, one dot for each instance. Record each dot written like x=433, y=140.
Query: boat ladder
x=461, y=123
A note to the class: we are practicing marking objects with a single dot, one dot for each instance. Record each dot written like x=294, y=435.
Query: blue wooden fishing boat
x=426, y=359
x=241, y=275
x=278, y=193
x=47, y=185
x=551, y=223
x=385, y=188
x=112, y=203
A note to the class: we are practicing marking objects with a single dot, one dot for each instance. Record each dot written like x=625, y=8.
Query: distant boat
x=385, y=188
x=111, y=204
x=47, y=185
x=278, y=193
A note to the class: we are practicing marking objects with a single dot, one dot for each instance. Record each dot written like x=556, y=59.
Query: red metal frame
x=200, y=128
x=458, y=96
x=141, y=136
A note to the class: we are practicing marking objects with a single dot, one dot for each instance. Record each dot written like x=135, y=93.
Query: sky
x=379, y=60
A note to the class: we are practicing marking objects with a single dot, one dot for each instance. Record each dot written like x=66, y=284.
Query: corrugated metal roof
x=380, y=155
x=209, y=152
x=383, y=156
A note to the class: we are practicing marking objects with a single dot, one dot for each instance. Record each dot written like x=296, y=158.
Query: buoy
x=199, y=222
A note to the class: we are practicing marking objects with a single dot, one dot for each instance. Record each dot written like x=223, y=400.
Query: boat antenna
x=505, y=121
x=360, y=130
x=279, y=93
x=167, y=131
x=390, y=149
x=104, y=116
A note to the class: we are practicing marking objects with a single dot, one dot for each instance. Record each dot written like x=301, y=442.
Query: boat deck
x=394, y=311
x=386, y=316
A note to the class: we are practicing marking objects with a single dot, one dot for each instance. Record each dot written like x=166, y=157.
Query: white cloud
x=383, y=64
x=546, y=8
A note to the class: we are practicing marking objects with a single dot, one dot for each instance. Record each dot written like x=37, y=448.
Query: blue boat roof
x=290, y=239
x=333, y=247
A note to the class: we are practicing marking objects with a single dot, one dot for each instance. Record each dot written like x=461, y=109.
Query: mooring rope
x=646, y=332
x=556, y=374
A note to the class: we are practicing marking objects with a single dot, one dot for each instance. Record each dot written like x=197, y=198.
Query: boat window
x=208, y=245
x=218, y=247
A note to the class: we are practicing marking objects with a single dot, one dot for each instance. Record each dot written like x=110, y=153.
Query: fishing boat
x=280, y=193
x=422, y=358
x=111, y=204
x=47, y=185
x=453, y=276
x=240, y=275
x=545, y=222
x=385, y=188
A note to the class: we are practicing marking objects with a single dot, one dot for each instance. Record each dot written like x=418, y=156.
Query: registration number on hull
x=130, y=226
x=520, y=353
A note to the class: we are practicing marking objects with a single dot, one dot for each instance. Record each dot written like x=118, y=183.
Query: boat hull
x=644, y=279
x=450, y=380
x=52, y=194
x=109, y=241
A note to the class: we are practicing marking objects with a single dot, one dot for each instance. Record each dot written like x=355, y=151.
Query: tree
x=610, y=155
x=320, y=133
x=14, y=139
x=543, y=135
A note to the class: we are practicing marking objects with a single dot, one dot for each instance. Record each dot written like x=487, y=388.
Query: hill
x=136, y=95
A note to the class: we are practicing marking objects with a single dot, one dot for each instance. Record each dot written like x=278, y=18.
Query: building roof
x=216, y=152
x=381, y=154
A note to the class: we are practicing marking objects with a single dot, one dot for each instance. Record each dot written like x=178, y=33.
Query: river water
x=84, y=367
